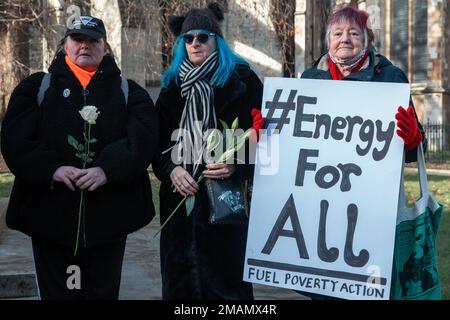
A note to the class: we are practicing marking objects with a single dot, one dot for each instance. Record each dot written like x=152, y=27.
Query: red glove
x=408, y=129
x=258, y=122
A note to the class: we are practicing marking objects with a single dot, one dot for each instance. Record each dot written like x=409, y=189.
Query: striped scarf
x=198, y=113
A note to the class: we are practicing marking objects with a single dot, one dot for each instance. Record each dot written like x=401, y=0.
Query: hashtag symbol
x=277, y=105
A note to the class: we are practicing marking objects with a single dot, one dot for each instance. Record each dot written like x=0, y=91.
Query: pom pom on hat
x=175, y=24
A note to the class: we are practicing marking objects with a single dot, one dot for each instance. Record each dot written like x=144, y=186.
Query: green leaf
x=93, y=140
x=91, y=154
x=224, y=138
x=226, y=155
x=242, y=139
x=236, y=142
x=80, y=155
x=212, y=140
x=190, y=201
x=235, y=123
x=224, y=124
x=247, y=134
x=240, y=144
x=80, y=147
x=72, y=141
x=89, y=160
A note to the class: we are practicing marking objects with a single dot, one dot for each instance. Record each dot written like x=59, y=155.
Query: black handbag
x=227, y=201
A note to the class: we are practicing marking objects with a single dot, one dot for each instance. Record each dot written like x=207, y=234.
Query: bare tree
x=39, y=21
x=169, y=8
x=15, y=18
x=283, y=17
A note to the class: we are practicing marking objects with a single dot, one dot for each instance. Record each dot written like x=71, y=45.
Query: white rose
x=89, y=114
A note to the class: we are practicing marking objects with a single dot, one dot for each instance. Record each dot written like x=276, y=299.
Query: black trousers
x=94, y=274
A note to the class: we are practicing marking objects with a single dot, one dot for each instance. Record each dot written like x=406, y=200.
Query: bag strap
x=45, y=84
x=423, y=179
x=426, y=200
x=401, y=195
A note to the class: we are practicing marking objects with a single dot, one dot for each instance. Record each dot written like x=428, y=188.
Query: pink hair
x=352, y=15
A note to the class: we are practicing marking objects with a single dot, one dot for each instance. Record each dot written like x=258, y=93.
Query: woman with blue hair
x=205, y=83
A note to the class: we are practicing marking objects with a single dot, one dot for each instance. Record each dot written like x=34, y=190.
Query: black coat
x=378, y=69
x=34, y=144
x=199, y=260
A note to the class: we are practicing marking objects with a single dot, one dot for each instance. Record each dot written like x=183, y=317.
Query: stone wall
x=141, y=49
x=250, y=32
x=109, y=12
x=247, y=27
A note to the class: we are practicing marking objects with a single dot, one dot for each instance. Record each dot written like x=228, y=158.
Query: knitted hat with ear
x=207, y=19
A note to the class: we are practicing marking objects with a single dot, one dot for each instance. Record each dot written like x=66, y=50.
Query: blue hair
x=227, y=63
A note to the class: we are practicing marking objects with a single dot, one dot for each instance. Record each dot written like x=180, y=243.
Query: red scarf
x=336, y=73
x=82, y=75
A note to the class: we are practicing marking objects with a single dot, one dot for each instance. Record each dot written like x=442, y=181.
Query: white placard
x=326, y=188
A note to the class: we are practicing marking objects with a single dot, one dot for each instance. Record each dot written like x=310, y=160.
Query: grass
x=6, y=181
x=438, y=186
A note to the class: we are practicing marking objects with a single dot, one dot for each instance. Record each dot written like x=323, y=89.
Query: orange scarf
x=82, y=75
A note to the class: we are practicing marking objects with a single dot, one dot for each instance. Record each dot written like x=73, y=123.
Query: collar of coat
x=367, y=72
x=107, y=67
x=234, y=88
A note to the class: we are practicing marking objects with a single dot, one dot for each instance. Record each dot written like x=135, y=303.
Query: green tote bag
x=415, y=273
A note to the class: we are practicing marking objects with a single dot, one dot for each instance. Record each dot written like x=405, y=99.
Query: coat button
x=66, y=93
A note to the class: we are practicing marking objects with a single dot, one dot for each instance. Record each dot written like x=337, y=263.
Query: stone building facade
x=134, y=34
x=413, y=34
x=134, y=31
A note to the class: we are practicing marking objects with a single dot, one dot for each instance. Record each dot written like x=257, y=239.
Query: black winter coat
x=34, y=144
x=199, y=260
x=377, y=69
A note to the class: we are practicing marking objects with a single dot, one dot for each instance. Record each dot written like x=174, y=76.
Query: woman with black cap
x=206, y=82
x=79, y=140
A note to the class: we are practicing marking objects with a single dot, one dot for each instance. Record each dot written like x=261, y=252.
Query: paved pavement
x=140, y=275
x=431, y=172
x=141, y=268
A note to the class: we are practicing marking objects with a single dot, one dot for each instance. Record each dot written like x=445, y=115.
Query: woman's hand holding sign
x=408, y=128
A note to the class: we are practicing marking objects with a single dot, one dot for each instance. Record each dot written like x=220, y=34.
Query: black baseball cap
x=87, y=25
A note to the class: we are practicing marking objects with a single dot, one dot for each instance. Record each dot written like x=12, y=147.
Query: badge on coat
x=66, y=93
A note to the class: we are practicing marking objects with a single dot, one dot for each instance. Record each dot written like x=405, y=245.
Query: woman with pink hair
x=352, y=56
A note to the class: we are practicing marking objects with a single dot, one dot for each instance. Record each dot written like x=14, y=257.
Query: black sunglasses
x=201, y=37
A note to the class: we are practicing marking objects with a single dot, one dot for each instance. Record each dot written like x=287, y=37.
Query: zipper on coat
x=84, y=93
